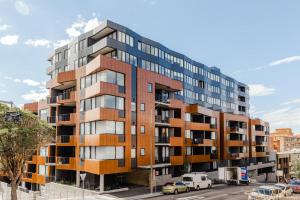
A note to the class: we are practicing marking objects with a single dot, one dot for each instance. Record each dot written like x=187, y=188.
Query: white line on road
x=217, y=196
x=190, y=198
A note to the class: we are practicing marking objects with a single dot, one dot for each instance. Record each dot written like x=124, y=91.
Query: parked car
x=197, y=181
x=266, y=193
x=295, y=185
x=175, y=188
x=286, y=189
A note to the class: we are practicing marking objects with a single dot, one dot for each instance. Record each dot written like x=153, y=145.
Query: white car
x=196, y=180
x=286, y=189
x=266, y=193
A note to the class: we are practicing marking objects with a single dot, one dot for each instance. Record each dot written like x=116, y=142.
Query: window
x=133, y=130
x=142, y=107
x=142, y=129
x=149, y=87
x=188, y=151
x=142, y=152
x=133, y=106
x=119, y=127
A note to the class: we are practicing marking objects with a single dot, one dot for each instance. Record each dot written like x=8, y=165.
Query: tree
x=21, y=134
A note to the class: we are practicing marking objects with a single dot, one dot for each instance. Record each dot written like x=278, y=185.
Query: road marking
x=218, y=196
x=190, y=198
x=237, y=192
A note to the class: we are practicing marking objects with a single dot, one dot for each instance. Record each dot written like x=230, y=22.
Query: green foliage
x=19, y=140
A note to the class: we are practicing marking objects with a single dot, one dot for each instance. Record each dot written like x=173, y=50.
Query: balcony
x=261, y=154
x=161, y=100
x=161, y=121
x=235, y=143
x=176, y=141
x=102, y=140
x=67, y=119
x=67, y=98
x=261, y=143
x=33, y=178
x=52, y=100
x=65, y=163
x=50, y=160
x=101, y=88
x=51, y=119
x=260, y=133
x=162, y=160
x=162, y=140
x=103, y=114
x=65, y=140
x=198, y=126
x=104, y=166
x=176, y=122
x=176, y=160
x=199, y=158
x=62, y=81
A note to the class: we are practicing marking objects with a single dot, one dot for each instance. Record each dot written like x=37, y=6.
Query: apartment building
x=123, y=104
x=283, y=139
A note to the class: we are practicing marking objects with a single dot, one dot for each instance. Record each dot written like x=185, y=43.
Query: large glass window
x=102, y=127
x=108, y=101
x=107, y=76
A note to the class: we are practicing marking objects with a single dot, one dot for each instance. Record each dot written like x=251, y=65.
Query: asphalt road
x=224, y=192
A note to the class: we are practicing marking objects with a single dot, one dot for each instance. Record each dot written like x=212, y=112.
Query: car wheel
x=176, y=191
x=198, y=187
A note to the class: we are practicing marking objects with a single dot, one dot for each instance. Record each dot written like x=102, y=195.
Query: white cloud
x=81, y=26
x=22, y=7
x=4, y=27
x=38, y=43
x=260, y=90
x=254, y=112
x=31, y=82
x=9, y=40
x=283, y=117
x=285, y=60
x=294, y=101
x=61, y=43
x=34, y=95
x=16, y=80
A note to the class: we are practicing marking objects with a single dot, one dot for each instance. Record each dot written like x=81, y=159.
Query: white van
x=196, y=180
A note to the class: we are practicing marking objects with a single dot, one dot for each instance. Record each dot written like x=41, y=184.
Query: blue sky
x=257, y=42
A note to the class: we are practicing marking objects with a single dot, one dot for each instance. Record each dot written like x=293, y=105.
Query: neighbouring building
x=123, y=104
x=283, y=139
x=283, y=165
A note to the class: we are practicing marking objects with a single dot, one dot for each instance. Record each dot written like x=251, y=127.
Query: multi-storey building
x=283, y=139
x=123, y=104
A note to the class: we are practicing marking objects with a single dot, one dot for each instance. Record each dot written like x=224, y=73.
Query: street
x=223, y=192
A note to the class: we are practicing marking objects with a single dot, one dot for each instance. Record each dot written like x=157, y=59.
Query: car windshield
x=187, y=179
x=280, y=187
x=169, y=184
x=264, y=191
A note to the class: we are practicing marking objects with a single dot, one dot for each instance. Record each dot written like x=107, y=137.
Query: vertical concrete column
x=78, y=178
x=101, y=183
